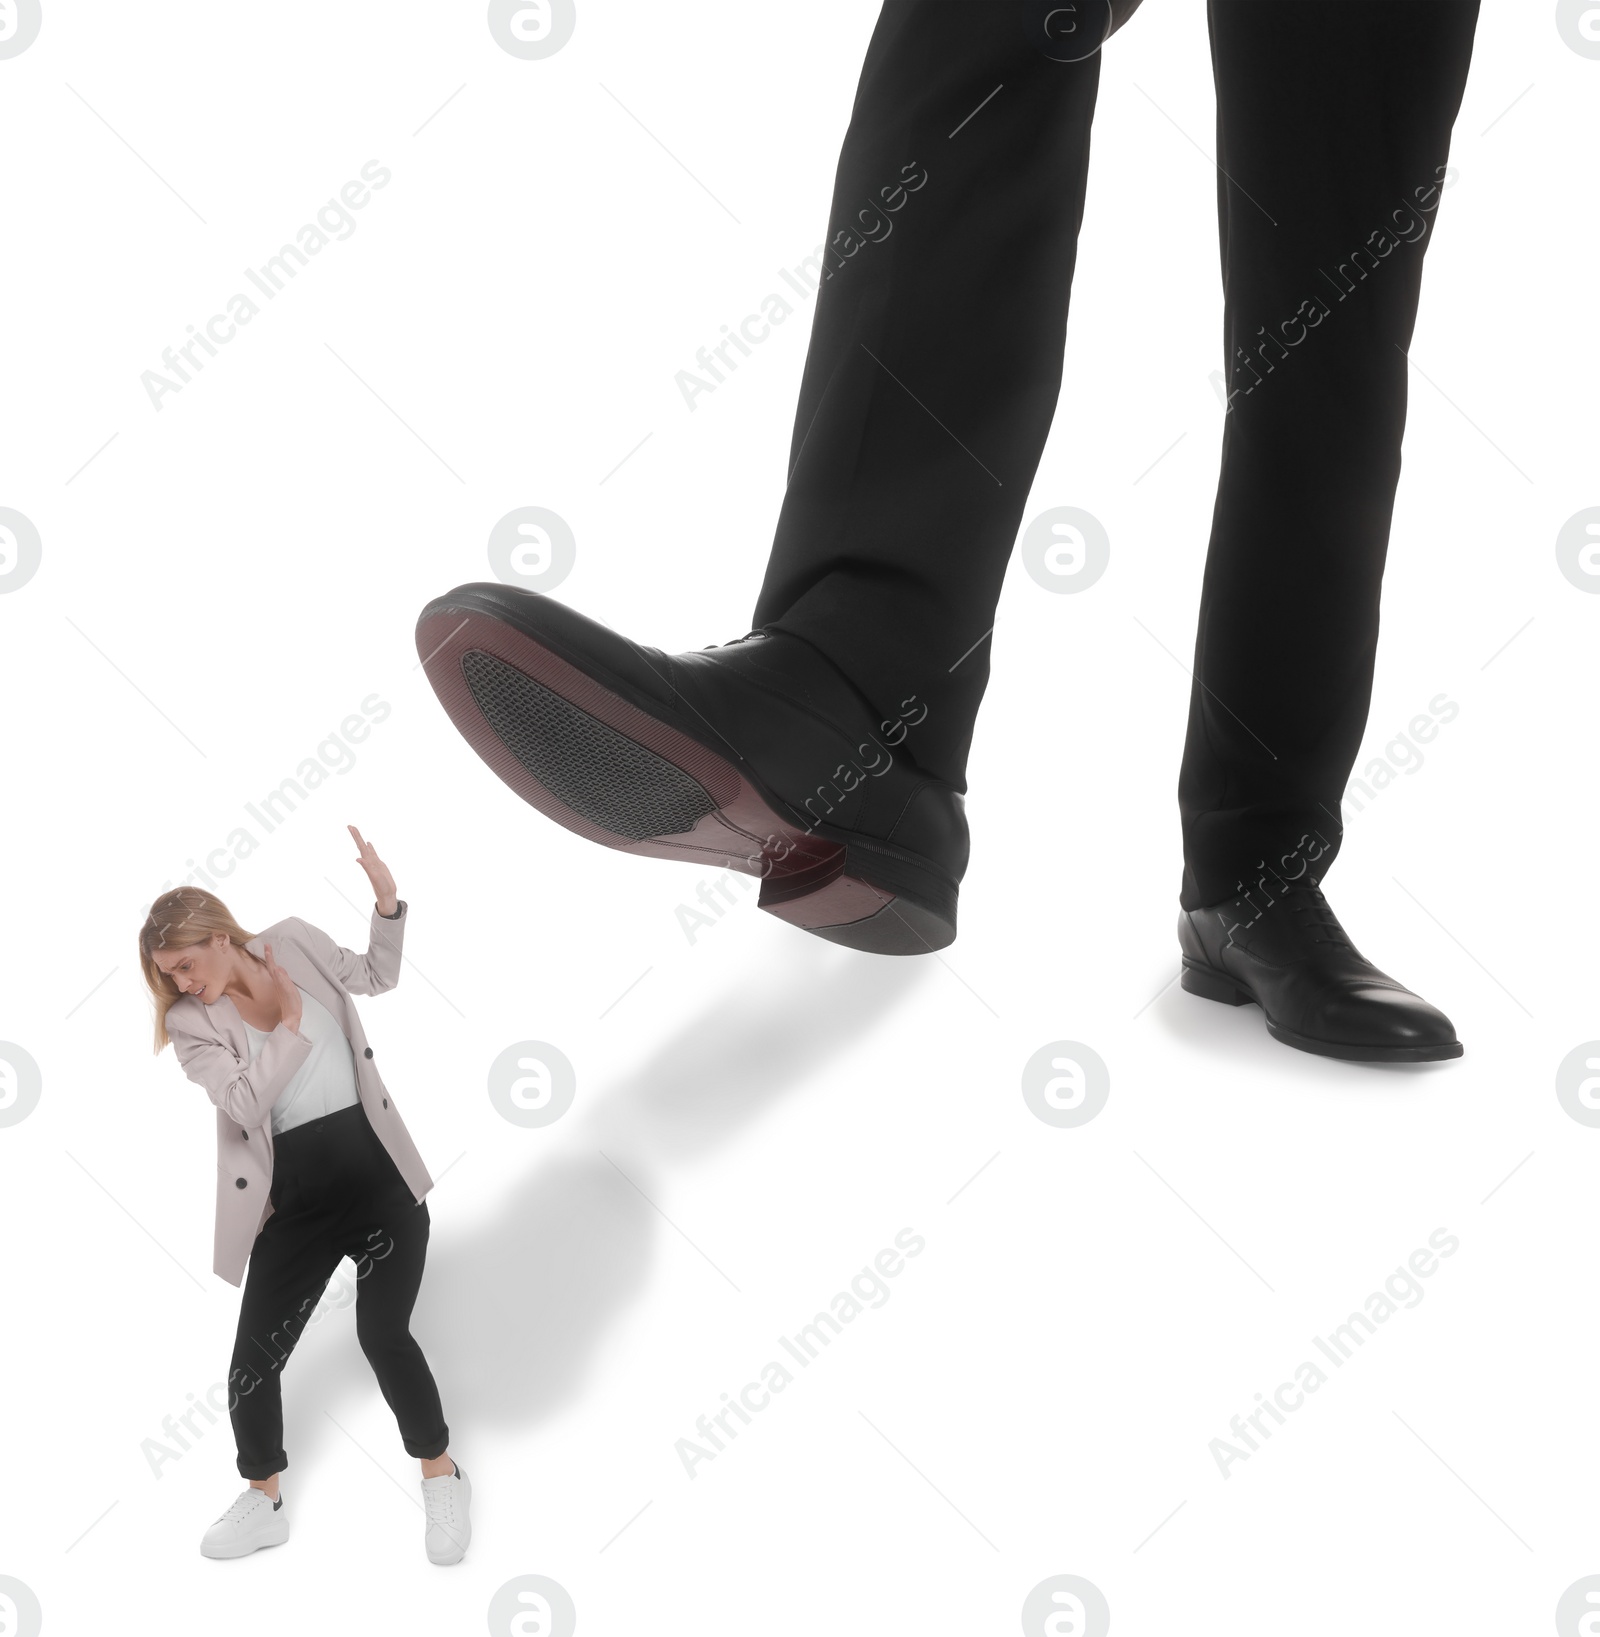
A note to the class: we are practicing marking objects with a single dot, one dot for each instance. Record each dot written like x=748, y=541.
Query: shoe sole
x=1210, y=984
x=244, y=1550
x=585, y=755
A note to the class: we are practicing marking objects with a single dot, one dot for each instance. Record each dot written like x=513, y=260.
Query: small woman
x=313, y=1164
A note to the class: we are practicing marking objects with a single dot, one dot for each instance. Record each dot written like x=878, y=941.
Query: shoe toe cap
x=1380, y=1015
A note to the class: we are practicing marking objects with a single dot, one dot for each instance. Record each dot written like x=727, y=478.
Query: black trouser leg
x=1333, y=128
x=289, y=1270
x=388, y=1275
x=935, y=357
x=335, y=1193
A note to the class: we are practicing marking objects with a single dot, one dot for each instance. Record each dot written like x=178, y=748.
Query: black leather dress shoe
x=1288, y=953
x=758, y=756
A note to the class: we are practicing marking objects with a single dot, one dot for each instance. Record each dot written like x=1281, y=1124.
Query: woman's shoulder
x=292, y=929
x=186, y=1015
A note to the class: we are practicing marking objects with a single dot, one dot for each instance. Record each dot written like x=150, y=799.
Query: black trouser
x=335, y=1193
x=936, y=356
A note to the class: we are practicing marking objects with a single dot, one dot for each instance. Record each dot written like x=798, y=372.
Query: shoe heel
x=863, y=897
x=848, y=910
x=1212, y=985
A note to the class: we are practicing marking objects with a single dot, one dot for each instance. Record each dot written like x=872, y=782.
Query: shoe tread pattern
x=601, y=774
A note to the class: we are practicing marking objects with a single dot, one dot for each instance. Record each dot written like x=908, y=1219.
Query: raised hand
x=284, y=987
x=377, y=873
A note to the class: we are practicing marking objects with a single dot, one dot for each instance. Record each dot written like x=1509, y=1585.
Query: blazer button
x=386, y=1102
x=241, y=1183
x=368, y=1052
x=247, y=1136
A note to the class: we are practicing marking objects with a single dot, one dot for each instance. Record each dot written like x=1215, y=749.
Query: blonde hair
x=180, y=919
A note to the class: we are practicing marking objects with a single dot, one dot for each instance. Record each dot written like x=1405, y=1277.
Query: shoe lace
x=1311, y=909
x=440, y=1504
x=244, y=1503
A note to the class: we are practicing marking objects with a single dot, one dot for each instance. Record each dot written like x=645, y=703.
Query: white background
x=230, y=576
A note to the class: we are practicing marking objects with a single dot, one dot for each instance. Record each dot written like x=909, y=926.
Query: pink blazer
x=215, y=1053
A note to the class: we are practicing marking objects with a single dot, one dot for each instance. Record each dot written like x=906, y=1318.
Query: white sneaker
x=253, y=1521
x=447, y=1501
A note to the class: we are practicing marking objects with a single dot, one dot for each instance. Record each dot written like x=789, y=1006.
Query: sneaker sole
x=586, y=756
x=244, y=1549
x=1210, y=984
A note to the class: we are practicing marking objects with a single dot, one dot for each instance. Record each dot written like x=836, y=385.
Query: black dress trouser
x=936, y=359
x=335, y=1193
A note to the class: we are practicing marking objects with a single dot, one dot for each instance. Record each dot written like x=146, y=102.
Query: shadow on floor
x=513, y=1309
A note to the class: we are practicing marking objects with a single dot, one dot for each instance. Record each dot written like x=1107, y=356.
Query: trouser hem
x=430, y=1449
x=259, y=1470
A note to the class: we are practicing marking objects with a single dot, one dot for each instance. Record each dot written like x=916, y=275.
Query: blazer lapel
x=223, y=1016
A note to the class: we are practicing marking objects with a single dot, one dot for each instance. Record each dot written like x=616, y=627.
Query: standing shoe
x=253, y=1521
x=1320, y=994
x=447, y=1502
x=757, y=756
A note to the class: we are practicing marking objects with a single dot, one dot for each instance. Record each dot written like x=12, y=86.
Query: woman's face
x=198, y=969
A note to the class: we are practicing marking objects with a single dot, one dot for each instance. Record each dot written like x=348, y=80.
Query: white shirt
x=326, y=1081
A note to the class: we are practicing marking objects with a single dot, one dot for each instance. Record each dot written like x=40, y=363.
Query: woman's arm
x=245, y=1095
x=369, y=974
x=379, y=968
